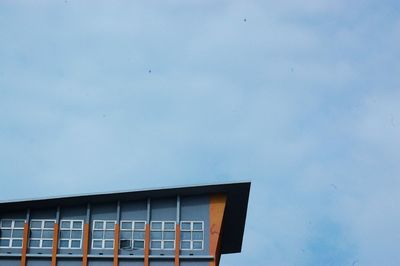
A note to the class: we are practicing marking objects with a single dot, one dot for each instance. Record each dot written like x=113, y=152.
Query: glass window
x=132, y=235
x=192, y=235
x=41, y=235
x=103, y=234
x=162, y=235
x=11, y=233
x=71, y=234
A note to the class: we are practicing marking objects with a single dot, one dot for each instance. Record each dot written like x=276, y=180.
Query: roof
x=234, y=217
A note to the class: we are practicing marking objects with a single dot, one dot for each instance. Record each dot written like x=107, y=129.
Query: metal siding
x=98, y=262
x=38, y=262
x=161, y=262
x=126, y=262
x=136, y=211
x=102, y=212
x=195, y=263
x=73, y=213
x=10, y=262
x=196, y=208
x=69, y=262
x=163, y=209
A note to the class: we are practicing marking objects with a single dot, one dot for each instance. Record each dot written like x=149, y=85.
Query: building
x=187, y=226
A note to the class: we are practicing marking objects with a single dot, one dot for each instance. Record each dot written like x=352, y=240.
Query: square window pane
x=47, y=243
x=185, y=245
x=169, y=226
x=36, y=224
x=156, y=225
x=140, y=226
x=197, y=235
x=97, y=234
x=49, y=224
x=156, y=235
x=185, y=226
x=16, y=243
x=198, y=226
x=169, y=235
x=34, y=243
x=186, y=235
x=19, y=224
x=109, y=244
x=4, y=242
x=76, y=234
x=18, y=233
x=65, y=224
x=168, y=244
x=110, y=225
x=5, y=232
x=75, y=244
x=109, y=235
x=97, y=244
x=156, y=244
x=125, y=244
x=77, y=225
x=64, y=234
x=35, y=233
x=64, y=243
x=138, y=235
x=126, y=225
x=48, y=233
x=197, y=245
x=98, y=225
x=126, y=235
x=6, y=223
x=138, y=244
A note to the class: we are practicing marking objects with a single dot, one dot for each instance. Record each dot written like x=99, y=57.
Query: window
x=103, y=234
x=42, y=232
x=132, y=234
x=192, y=235
x=11, y=233
x=71, y=234
x=162, y=235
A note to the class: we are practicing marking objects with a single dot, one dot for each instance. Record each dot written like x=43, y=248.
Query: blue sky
x=302, y=99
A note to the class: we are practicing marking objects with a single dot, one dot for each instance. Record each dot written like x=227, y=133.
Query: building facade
x=187, y=226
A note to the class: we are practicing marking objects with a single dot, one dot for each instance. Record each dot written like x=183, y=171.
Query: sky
x=299, y=97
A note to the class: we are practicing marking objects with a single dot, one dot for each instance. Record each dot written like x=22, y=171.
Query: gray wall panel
x=9, y=262
x=98, y=262
x=197, y=208
x=194, y=263
x=162, y=262
x=38, y=262
x=131, y=262
x=69, y=262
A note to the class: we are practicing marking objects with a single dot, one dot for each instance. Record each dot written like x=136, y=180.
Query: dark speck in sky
x=245, y=19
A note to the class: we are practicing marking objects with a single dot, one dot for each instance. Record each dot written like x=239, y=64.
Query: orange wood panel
x=85, y=245
x=116, y=244
x=55, y=245
x=177, y=244
x=217, y=210
x=147, y=246
x=25, y=244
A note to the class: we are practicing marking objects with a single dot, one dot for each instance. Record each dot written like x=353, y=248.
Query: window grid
x=42, y=232
x=103, y=234
x=134, y=232
x=71, y=234
x=162, y=235
x=192, y=235
x=11, y=233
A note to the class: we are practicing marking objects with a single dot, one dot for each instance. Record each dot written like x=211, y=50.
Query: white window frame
x=104, y=230
x=163, y=230
x=133, y=230
x=42, y=229
x=192, y=230
x=70, y=230
x=12, y=228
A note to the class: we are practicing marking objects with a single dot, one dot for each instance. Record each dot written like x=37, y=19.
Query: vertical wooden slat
x=217, y=210
x=177, y=244
x=25, y=243
x=85, y=250
x=147, y=245
x=55, y=245
x=116, y=244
